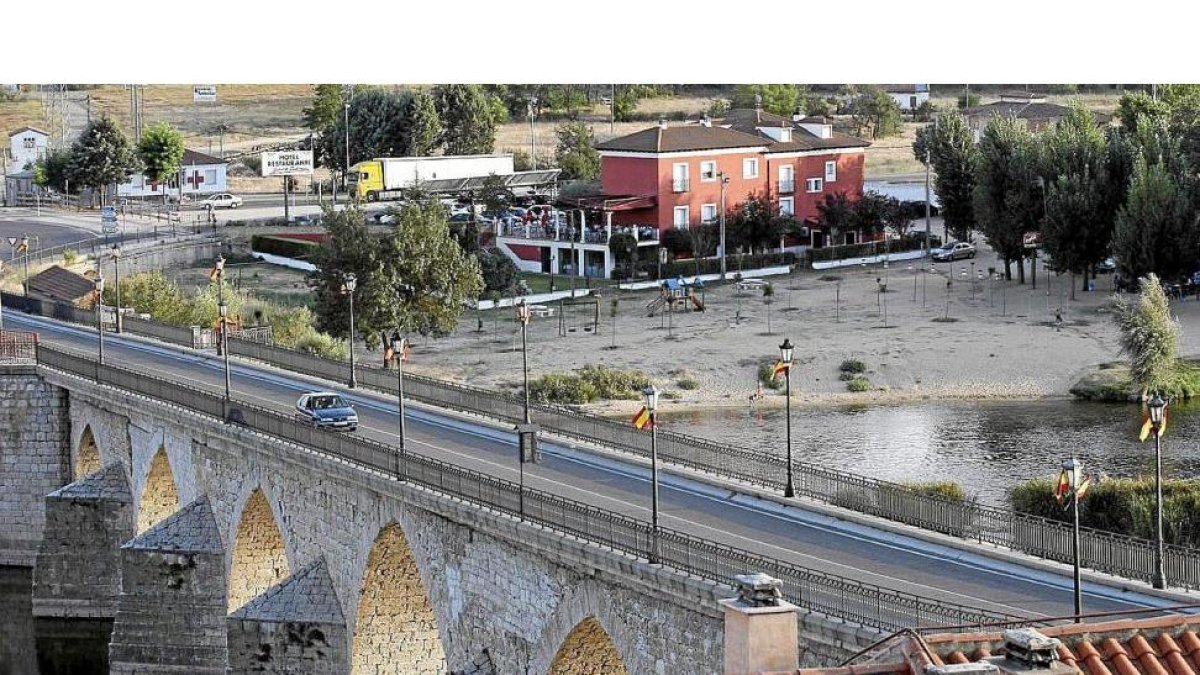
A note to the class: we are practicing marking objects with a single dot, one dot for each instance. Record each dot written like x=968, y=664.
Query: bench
x=750, y=284
x=541, y=311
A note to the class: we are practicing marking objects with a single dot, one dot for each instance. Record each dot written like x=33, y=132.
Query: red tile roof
x=59, y=283
x=1166, y=645
x=682, y=139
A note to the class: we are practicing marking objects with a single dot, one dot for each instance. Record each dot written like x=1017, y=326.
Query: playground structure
x=567, y=324
x=676, y=291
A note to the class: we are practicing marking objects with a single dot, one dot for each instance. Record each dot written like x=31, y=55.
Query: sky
x=414, y=41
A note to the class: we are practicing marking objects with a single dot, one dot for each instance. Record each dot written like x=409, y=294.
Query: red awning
x=609, y=203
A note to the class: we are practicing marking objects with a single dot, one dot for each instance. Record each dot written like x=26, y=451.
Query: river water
x=987, y=447
x=46, y=646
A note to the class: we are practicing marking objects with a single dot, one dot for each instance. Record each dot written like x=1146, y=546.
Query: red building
x=670, y=177
x=675, y=173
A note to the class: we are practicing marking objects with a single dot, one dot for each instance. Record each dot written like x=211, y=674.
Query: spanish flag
x=1062, y=491
x=1083, y=487
x=23, y=246
x=217, y=271
x=1148, y=427
x=642, y=419
x=780, y=367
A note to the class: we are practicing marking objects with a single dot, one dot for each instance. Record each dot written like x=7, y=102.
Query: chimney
x=797, y=115
x=976, y=668
x=1028, y=651
x=758, y=107
x=760, y=628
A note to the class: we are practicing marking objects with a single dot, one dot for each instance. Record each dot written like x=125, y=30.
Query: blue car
x=326, y=410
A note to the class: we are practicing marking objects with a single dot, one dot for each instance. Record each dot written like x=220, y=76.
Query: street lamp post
x=223, y=308
x=526, y=432
x=786, y=351
x=116, y=256
x=1073, y=471
x=1158, y=410
x=350, y=282
x=651, y=394
x=219, y=272
x=346, y=173
x=100, y=318
x=724, y=182
x=25, y=248
x=399, y=346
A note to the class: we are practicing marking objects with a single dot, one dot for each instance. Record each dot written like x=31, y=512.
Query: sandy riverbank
x=1001, y=340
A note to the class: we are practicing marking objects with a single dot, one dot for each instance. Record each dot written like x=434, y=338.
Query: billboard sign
x=204, y=93
x=289, y=163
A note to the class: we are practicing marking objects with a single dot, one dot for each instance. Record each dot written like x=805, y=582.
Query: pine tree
x=468, y=125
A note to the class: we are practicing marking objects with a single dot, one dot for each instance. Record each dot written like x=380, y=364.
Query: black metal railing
x=787, y=186
x=1112, y=553
x=863, y=603
x=18, y=346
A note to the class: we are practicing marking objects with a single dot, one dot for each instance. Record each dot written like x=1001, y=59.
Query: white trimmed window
x=830, y=171
x=682, y=217
x=750, y=168
x=210, y=177
x=708, y=171
x=813, y=185
x=708, y=213
x=787, y=206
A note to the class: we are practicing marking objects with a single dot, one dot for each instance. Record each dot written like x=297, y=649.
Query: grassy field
x=24, y=112
x=279, y=285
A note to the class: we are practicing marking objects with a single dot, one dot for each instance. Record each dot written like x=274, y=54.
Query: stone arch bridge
x=214, y=548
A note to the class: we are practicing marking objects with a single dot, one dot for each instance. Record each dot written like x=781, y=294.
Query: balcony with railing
x=787, y=186
x=592, y=234
x=680, y=185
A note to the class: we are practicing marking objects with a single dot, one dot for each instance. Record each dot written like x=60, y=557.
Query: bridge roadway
x=787, y=533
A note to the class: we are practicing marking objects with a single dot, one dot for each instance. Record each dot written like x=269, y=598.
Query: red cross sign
x=196, y=180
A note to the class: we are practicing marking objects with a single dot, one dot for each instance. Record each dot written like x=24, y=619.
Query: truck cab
x=365, y=180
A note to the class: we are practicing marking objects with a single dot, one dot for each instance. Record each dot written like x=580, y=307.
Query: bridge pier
x=34, y=458
x=296, y=626
x=171, y=613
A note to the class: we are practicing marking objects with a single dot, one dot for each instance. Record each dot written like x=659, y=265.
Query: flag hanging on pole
x=780, y=367
x=23, y=246
x=1148, y=427
x=1083, y=487
x=1062, y=490
x=642, y=419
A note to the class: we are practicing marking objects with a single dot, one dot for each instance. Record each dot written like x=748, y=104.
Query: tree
x=424, y=127
x=499, y=273
x=1139, y=104
x=468, y=125
x=325, y=109
x=378, y=128
x=1156, y=228
x=1007, y=199
x=781, y=99
x=441, y=278
x=869, y=214
x=575, y=153
x=625, y=104
x=102, y=156
x=677, y=241
x=161, y=152
x=875, y=111
x=493, y=194
x=1079, y=211
x=952, y=151
x=53, y=170
x=1149, y=336
x=835, y=213
x=755, y=223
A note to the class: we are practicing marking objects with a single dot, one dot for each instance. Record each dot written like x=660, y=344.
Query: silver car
x=955, y=250
x=326, y=410
x=223, y=200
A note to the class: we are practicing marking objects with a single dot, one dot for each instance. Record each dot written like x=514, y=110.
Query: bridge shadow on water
x=31, y=646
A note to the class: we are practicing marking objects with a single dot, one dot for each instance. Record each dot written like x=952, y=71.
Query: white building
x=909, y=96
x=25, y=147
x=200, y=174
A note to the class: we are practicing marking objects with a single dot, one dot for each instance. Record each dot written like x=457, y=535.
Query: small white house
x=200, y=174
x=25, y=147
x=909, y=96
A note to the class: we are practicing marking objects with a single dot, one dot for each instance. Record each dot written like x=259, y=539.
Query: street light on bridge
x=223, y=308
x=1158, y=411
x=786, y=352
x=349, y=283
x=116, y=256
x=651, y=394
x=526, y=432
x=399, y=347
x=100, y=317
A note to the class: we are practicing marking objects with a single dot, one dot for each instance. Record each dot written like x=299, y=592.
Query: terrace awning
x=520, y=179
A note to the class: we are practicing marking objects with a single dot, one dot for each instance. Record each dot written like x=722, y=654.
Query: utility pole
x=532, y=136
x=612, y=109
x=724, y=182
x=928, y=160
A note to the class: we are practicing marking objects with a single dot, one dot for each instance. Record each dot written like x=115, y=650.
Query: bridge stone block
x=171, y=613
x=78, y=571
x=296, y=626
x=34, y=458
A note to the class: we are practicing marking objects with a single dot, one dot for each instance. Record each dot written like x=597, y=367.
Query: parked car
x=326, y=410
x=307, y=219
x=919, y=236
x=223, y=200
x=1107, y=267
x=955, y=250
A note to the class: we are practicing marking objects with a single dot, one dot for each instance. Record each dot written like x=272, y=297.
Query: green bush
x=288, y=248
x=941, y=489
x=1121, y=505
x=766, y=368
x=588, y=384
x=70, y=256
x=858, y=384
x=853, y=366
x=688, y=383
x=320, y=344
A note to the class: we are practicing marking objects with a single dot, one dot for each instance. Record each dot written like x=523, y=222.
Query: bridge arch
x=87, y=455
x=259, y=558
x=160, y=495
x=397, y=631
x=588, y=650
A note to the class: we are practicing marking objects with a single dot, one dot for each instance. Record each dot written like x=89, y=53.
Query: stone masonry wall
x=34, y=458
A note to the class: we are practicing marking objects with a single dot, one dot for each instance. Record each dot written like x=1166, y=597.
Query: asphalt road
x=790, y=534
